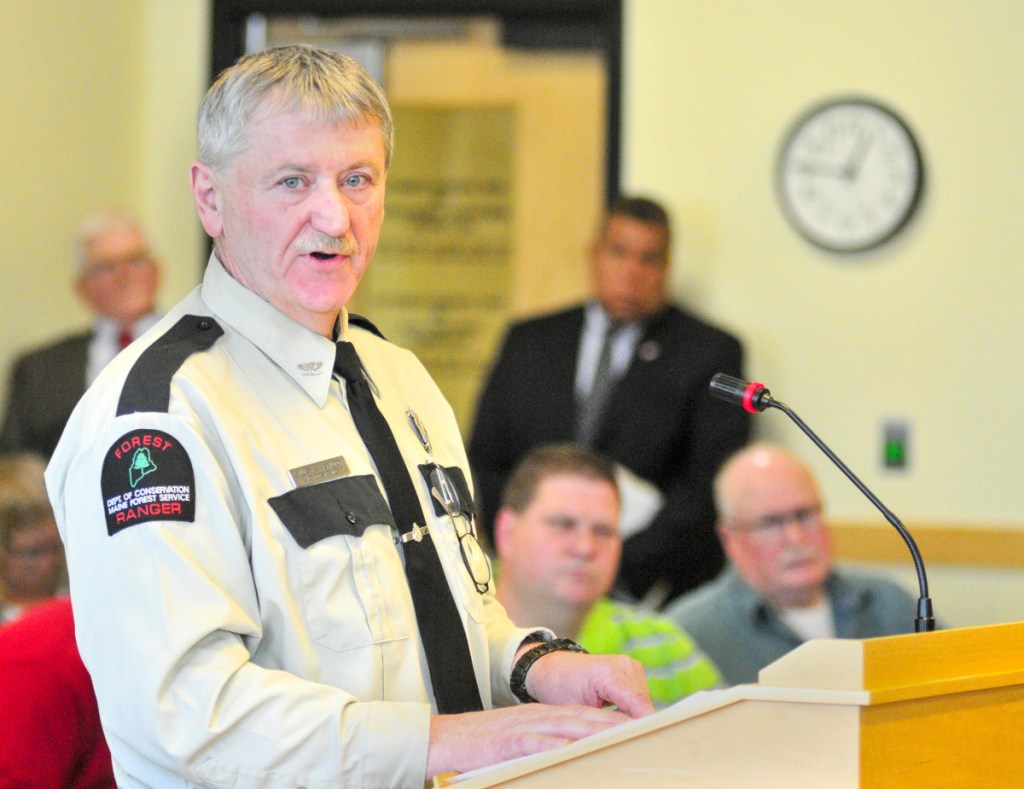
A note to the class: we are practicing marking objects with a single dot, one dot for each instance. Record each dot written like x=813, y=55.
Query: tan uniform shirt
x=224, y=652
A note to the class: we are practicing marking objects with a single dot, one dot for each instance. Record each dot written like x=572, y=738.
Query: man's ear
x=724, y=535
x=82, y=291
x=206, y=192
x=504, y=523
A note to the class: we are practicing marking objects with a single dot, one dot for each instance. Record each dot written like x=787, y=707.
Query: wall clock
x=849, y=175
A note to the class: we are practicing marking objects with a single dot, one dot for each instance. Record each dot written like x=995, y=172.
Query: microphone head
x=753, y=397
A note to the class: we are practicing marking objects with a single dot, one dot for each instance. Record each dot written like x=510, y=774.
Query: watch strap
x=517, y=682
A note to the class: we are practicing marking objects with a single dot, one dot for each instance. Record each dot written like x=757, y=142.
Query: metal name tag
x=321, y=471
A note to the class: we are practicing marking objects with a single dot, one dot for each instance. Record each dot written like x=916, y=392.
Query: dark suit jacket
x=44, y=388
x=660, y=421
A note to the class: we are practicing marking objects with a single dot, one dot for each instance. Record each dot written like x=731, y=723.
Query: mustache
x=331, y=245
x=799, y=555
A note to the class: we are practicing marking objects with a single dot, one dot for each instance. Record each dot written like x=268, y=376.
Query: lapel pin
x=649, y=351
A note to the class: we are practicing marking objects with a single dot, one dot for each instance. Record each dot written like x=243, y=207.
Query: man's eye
x=292, y=182
x=355, y=180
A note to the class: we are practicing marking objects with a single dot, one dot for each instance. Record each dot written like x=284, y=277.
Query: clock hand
x=856, y=159
x=822, y=169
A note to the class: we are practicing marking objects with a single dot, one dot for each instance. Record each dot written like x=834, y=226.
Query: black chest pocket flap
x=458, y=481
x=344, y=506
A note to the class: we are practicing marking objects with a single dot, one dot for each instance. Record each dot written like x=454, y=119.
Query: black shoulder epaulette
x=363, y=323
x=148, y=385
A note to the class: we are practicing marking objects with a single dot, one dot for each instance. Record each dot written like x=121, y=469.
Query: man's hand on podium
x=592, y=680
x=573, y=689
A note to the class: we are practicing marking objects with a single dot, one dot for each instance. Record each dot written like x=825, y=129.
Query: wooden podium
x=923, y=710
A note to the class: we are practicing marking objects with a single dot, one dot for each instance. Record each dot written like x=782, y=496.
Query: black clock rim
x=912, y=206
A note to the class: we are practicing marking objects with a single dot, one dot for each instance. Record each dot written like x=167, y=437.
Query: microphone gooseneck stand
x=754, y=398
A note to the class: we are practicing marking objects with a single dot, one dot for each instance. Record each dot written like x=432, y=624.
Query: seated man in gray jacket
x=780, y=587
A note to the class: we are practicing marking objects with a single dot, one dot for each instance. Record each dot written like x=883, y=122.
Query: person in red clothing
x=50, y=734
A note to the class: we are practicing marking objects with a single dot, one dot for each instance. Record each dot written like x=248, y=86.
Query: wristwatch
x=517, y=682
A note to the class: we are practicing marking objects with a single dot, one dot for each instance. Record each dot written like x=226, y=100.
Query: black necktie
x=591, y=408
x=444, y=639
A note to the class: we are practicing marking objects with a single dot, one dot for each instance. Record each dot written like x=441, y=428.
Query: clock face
x=849, y=175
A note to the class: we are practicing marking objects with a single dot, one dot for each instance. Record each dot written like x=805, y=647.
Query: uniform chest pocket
x=341, y=506
x=346, y=567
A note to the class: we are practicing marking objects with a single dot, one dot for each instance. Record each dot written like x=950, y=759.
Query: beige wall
x=98, y=99
x=927, y=328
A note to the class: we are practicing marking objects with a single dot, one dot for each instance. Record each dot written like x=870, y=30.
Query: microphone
x=754, y=397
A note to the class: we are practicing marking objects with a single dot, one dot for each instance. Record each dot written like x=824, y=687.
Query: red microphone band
x=753, y=389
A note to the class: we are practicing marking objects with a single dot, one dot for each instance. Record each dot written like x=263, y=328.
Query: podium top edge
x=992, y=654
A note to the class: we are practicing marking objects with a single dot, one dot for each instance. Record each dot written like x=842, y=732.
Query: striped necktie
x=591, y=407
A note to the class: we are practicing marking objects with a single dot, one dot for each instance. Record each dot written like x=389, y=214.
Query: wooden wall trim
x=973, y=546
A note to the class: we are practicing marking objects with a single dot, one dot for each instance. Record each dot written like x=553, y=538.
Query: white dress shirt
x=104, y=345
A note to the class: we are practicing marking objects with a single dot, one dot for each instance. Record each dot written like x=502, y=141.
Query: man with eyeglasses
x=116, y=277
x=781, y=587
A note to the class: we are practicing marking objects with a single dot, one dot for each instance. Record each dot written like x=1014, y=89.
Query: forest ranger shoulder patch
x=147, y=476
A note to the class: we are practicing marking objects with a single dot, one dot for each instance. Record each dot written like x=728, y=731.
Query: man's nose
x=631, y=266
x=793, y=530
x=330, y=213
x=582, y=542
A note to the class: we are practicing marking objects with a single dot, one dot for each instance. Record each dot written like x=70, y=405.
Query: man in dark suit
x=117, y=277
x=626, y=374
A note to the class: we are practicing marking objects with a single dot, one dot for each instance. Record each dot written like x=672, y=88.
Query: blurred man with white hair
x=116, y=277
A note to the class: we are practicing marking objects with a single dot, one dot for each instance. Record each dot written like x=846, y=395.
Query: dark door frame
x=542, y=24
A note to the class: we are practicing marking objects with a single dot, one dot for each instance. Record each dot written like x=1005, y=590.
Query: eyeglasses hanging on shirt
x=447, y=496
x=442, y=489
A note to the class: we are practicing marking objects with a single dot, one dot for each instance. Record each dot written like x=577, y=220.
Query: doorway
x=506, y=151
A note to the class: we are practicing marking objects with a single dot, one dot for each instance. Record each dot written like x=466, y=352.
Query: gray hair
x=96, y=225
x=330, y=86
